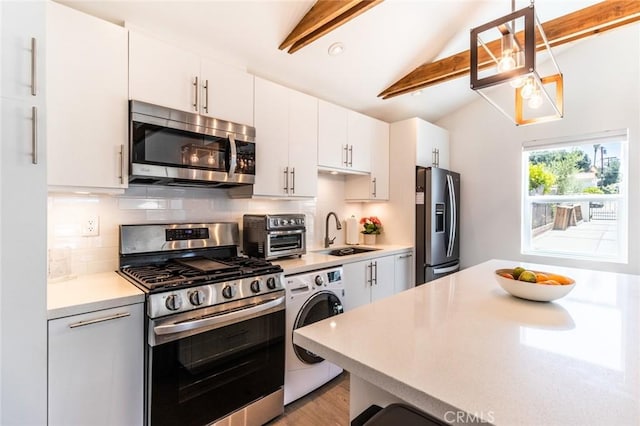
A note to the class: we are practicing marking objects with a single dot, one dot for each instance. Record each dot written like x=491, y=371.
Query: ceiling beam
x=323, y=17
x=583, y=23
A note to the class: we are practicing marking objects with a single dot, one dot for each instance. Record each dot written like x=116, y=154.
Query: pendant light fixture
x=508, y=56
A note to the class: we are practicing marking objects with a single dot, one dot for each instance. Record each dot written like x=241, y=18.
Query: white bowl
x=533, y=291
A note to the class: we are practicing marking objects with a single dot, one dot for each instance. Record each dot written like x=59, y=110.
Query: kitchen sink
x=346, y=251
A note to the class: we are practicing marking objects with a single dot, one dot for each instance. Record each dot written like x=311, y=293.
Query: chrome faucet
x=328, y=241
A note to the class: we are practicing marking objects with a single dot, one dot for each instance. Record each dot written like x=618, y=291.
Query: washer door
x=321, y=305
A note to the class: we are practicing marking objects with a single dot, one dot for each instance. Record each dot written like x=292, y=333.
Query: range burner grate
x=178, y=272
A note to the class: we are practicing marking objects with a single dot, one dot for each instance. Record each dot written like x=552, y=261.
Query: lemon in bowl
x=538, y=286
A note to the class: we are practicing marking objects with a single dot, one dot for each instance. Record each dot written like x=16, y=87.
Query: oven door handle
x=217, y=319
x=289, y=232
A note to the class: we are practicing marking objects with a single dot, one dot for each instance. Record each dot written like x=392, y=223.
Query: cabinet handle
x=34, y=135
x=121, y=153
x=97, y=320
x=346, y=155
x=206, y=96
x=286, y=179
x=375, y=188
x=351, y=155
x=293, y=180
x=34, y=64
x=195, y=84
x=370, y=268
x=375, y=265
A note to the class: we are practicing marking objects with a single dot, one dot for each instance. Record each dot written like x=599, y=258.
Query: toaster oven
x=272, y=236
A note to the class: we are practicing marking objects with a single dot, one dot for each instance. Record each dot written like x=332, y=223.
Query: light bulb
x=528, y=88
x=194, y=158
x=517, y=82
x=211, y=160
x=506, y=63
x=536, y=100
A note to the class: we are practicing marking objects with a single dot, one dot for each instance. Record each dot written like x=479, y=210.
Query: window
x=575, y=197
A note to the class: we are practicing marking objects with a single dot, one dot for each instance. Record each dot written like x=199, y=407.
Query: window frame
x=620, y=136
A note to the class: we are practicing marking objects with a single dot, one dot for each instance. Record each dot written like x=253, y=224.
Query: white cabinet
x=162, y=74
x=367, y=281
x=432, y=144
x=360, y=136
x=286, y=141
x=96, y=368
x=87, y=125
x=228, y=92
x=411, y=144
x=374, y=187
x=167, y=75
x=23, y=216
x=404, y=267
x=344, y=139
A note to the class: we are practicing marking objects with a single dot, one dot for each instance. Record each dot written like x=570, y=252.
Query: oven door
x=285, y=243
x=202, y=369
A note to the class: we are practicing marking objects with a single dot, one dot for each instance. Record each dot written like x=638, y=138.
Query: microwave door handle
x=233, y=158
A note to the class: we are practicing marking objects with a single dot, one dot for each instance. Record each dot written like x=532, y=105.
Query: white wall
x=601, y=92
x=72, y=254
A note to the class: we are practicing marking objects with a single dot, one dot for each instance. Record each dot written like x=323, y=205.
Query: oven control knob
x=255, y=286
x=173, y=302
x=196, y=297
x=228, y=292
x=271, y=283
x=319, y=280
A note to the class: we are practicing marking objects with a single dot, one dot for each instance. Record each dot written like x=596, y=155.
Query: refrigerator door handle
x=453, y=268
x=455, y=213
x=452, y=215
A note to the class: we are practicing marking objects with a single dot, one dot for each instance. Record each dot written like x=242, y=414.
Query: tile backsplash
x=72, y=253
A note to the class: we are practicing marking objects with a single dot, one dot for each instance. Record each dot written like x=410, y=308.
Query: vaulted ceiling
x=383, y=44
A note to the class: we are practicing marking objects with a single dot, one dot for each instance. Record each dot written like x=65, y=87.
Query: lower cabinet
x=404, y=267
x=368, y=280
x=96, y=368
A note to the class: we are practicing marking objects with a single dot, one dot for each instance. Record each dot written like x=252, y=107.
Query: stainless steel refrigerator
x=437, y=223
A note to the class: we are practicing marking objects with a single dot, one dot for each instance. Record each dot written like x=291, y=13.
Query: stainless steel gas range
x=215, y=325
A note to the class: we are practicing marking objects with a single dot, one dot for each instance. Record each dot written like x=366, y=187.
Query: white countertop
x=463, y=342
x=88, y=293
x=314, y=259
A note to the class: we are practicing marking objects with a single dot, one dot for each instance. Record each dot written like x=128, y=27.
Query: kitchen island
x=463, y=350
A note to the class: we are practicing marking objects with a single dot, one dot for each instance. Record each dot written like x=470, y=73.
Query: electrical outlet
x=91, y=226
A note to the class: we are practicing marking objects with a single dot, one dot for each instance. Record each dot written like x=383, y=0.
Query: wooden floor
x=326, y=406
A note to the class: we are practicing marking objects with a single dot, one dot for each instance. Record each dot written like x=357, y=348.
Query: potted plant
x=371, y=226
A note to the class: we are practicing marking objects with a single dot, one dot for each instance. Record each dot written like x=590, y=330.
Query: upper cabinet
x=343, y=139
x=87, y=129
x=286, y=141
x=188, y=82
x=432, y=144
x=373, y=187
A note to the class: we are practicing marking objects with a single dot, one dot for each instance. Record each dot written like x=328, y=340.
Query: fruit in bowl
x=534, y=285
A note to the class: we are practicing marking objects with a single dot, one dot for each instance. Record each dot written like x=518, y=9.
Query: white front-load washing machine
x=311, y=297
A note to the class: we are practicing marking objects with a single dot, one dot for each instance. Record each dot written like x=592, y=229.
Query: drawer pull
x=97, y=320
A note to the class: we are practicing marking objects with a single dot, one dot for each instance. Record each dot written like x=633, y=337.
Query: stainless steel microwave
x=171, y=147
